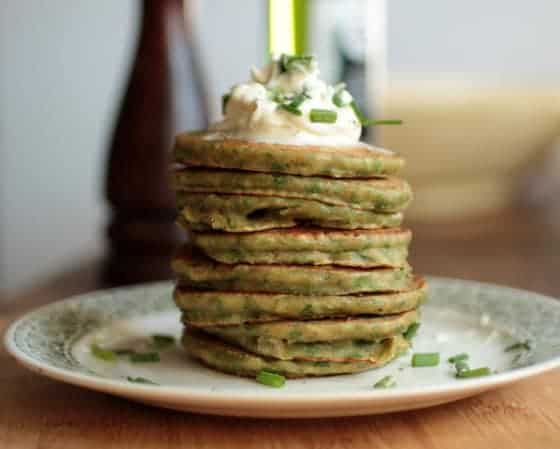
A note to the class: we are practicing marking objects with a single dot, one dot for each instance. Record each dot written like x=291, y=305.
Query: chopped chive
x=225, y=99
x=271, y=379
x=338, y=100
x=298, y=100
x=290, y=108
x=162, y=341
x=359, y=114
x=140, y=380
x=124, y=351
x=411, y=331
x=458, y=358
x=367, y=122
x=288, y=63
x=477, y=372
x=524, y=345
x=382, y=122
x=295, y=103
x=386, y=382
x=422, y=359
x=322, y=116
x=144, y=357
x=275, y=94
x=103, y=354
x=461, y=366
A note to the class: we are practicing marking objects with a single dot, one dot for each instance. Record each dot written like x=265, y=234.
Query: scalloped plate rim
x=196, y=400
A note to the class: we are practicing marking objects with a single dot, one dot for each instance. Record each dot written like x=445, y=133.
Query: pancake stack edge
x=296, y=263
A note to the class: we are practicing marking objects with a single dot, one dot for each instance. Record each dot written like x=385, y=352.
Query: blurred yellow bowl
x=466, y=144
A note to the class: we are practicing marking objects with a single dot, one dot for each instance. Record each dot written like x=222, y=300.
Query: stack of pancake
x=296, y=262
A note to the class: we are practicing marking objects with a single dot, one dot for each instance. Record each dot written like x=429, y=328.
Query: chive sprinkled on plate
x=271, y=379
x=162, y=341
x=520, y=345
x=458, y=358
x=103, y=354
x=140, y=380
x=424, y=359
x=411, y=331
x=385, y=382
x=322, y=116
x=461, y=366
x=471, y=373
x=144, y=357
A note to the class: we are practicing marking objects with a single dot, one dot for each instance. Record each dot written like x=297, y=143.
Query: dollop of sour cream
x=275, y=106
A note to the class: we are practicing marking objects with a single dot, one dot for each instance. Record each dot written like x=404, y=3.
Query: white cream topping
x=254, y=112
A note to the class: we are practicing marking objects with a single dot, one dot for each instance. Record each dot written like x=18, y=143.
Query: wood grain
x=520, y=248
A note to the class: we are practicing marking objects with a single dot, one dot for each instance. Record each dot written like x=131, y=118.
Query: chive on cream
x=289, y=63
x=322, y=116
x=341, y=97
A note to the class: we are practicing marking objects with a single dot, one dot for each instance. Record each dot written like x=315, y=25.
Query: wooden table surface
x=520, y=248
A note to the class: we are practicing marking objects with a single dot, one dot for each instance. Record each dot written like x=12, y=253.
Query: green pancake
x=327, y=330
x=200, y=272
x=247, y=213
x=332, y=351
x=307, y=246
x=230, y=359
x=210, y=308
x=376, y=194
x=358, y=161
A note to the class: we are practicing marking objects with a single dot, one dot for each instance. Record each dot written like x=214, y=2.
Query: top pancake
x=359, y=161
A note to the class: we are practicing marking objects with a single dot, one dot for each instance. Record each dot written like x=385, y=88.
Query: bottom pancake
x=230, y=359
x=340, y=351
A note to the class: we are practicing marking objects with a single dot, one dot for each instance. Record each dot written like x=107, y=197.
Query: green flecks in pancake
x=200, y=272
x=215, y=308
x=247, y=213
x=326, y=330
x=231, y=359
x=376, y=194
x=358, y=161
x=364, y=248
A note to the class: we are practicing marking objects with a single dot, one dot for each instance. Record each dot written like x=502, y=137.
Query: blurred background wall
x=62, y=68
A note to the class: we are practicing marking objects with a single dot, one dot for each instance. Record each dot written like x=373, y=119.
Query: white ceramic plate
x=460, y=316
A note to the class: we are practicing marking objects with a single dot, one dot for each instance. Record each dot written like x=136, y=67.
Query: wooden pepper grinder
x=164, y=96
